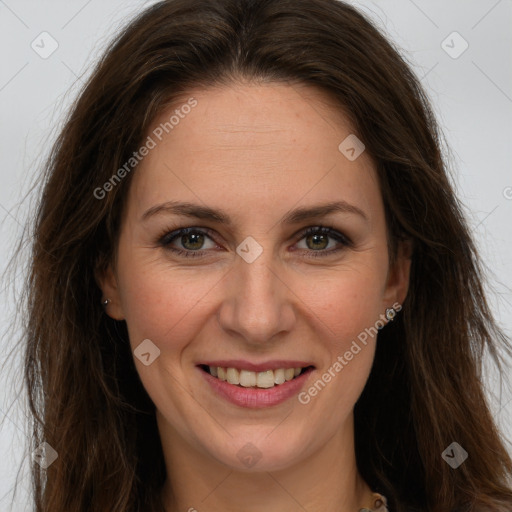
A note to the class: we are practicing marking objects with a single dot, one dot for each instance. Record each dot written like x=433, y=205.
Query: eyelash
x=169, y=237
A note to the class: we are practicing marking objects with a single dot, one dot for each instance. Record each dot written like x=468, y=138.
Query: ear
x=397, y=284
x=107, y=281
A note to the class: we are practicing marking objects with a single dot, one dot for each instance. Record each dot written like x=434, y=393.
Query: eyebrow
x=217, y=215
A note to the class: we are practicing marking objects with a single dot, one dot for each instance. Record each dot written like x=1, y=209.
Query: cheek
x=345, y=303
x=158, y=300
x=164, y=304
x=346, y=308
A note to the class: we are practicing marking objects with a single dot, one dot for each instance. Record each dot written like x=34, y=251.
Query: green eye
x=319, y=240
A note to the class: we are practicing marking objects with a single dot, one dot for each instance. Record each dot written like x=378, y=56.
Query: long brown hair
x=425, y=389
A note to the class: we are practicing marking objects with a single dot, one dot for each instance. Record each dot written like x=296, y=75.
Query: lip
x=255, y=398
x=241, y=364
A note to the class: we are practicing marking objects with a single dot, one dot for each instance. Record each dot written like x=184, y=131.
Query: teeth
x=289, y=373
x=265, y=379
x=279, y=376
x=248, y=379
x=233, y=376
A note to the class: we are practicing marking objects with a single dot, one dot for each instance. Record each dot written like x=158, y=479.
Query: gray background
x=472, y=96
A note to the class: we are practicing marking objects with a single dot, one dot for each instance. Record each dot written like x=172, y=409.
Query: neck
x=324, y=480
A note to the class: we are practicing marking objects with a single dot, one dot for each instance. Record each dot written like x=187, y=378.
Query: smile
x=251, y=379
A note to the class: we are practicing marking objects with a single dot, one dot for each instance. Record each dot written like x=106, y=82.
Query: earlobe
x=110, y=300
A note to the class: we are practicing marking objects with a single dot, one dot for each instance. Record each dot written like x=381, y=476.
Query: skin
x=255, y=151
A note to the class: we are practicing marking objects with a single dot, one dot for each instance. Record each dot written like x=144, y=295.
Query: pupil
x=195, y=240
x=318, y=238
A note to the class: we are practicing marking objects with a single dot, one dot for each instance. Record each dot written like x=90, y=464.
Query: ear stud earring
x=105, y=303
x=390, y=314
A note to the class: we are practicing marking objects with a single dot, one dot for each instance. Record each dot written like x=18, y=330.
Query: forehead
x=265, y=144
x=244, y=117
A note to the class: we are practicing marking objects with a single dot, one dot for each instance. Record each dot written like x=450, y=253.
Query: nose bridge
x=257, y=305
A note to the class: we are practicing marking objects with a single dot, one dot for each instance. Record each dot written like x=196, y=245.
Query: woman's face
x=248, y=169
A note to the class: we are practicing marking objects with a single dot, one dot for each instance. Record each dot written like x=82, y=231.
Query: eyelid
x=325, y=230
x=170, y=235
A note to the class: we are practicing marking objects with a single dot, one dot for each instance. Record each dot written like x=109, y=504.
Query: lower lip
x=257, y=398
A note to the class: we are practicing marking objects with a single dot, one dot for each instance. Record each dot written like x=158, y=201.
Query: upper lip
x=257, y=367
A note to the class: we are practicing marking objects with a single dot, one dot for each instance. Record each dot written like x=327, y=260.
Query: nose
x=258, y=304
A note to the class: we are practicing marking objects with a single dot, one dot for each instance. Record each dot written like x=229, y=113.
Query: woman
x=246, y=196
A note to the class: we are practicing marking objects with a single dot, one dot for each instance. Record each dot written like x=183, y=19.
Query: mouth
x=244, y=378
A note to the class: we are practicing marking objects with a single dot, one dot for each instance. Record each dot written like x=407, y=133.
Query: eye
x=320, y=241
x=189, y=242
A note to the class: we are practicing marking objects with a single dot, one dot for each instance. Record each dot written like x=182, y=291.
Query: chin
x=254, y=454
